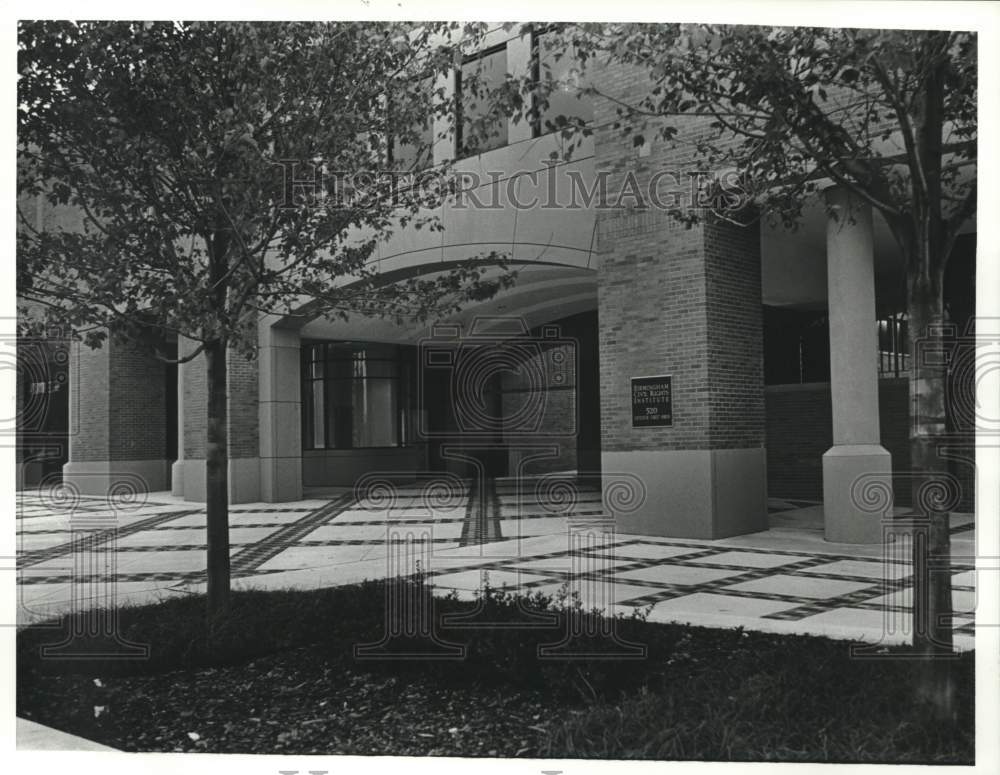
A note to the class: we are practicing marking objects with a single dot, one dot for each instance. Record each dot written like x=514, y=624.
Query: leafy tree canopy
x=890, y=114
x=184, y=146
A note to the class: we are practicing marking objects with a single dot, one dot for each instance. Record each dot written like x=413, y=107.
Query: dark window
x=893, y=346
x=355, y=396
x=553, y=61
x=478, y=127
x=796, y=346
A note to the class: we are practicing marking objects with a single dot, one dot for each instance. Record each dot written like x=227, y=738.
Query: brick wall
x=894, y=430
x=89, y=388
x=243, y=415
x=138, y=411
x=800, y=430
x=243, y=426
x=118, y=403
x=735, y=335
x=195, y=402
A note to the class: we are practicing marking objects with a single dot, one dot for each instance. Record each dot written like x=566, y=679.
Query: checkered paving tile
x=103, y=534
x=256, y=555
x=162, y=545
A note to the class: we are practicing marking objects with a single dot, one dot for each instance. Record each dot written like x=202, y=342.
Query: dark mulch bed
x=280, y=676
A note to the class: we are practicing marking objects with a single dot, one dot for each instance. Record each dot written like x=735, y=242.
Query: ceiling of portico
x=793, y=263
x=543, y=293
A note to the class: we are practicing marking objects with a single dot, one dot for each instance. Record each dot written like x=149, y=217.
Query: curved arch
x=544, y=292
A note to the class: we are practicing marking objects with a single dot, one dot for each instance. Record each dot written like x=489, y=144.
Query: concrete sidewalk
x=37, y=737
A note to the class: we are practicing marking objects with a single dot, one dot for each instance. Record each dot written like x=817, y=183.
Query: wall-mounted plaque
x=652, y=402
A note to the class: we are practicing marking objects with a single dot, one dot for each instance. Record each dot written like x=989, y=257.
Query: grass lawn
x=281, y=676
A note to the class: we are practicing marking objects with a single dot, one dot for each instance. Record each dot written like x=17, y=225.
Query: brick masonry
x=243, y=423
x=672, y=299
x=119, y=411
x=735, y=336
x=800, y=430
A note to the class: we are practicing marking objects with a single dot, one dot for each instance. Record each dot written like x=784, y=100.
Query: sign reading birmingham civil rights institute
x=652, y=402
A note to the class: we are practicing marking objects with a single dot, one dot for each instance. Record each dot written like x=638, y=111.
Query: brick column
x=118, y=412
x=684, y=303
x=856, y=448
x=244, y=463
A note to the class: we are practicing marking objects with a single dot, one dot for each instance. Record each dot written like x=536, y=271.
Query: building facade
x=719, y=363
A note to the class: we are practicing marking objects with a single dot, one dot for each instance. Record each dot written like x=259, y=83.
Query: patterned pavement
x=546, y=534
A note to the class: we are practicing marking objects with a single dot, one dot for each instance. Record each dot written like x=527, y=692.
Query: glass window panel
x=376, y=351
x=340, y=416
x=410, y=157
x=413, y=135
x=480, y=77
x=375, y=409
x=368, y=369
x=307, y=417
x=318, y=407
x=566, y=71
x=341, y=351
x=372, y=350
x=356, y=400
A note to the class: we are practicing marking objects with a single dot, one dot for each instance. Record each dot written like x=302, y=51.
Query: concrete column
x=279, y=413
x=853, y=370
x=177, y=471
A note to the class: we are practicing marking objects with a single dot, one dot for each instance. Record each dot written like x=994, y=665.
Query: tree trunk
x=932, y=636
x=217, y=482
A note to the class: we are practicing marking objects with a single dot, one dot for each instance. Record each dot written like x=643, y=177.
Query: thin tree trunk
x=217, y=482
x=932, y=635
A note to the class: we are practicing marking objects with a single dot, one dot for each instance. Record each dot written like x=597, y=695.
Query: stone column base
x=244, y=480
x=29, y=474
x=280, y=479
x=710, y=493
x=98, y=477
x=844, y=520
x=177, y=479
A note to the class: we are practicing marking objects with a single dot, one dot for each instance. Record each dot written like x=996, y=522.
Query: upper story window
x=477, y=128
x=412, y=143
x=553, y=60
